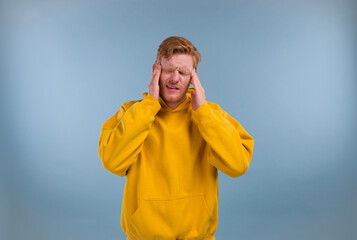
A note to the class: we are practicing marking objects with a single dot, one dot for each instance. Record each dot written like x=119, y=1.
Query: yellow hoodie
x=170, y=158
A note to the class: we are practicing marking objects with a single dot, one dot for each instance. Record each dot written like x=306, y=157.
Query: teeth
x=171, y=87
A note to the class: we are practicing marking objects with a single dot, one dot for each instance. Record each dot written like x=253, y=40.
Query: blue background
x=286, y=70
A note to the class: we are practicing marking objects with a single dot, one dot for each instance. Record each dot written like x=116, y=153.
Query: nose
x=175, y=76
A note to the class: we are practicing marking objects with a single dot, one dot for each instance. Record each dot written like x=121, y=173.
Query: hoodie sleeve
x=230, y=146
x=122, y=135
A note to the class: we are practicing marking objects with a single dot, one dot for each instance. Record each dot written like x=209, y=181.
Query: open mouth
x=172, y=87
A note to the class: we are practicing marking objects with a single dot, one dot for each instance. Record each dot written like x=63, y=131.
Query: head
x=175, y=45
x=178, y=58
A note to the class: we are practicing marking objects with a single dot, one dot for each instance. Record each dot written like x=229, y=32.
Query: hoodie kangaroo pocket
x=179, y=218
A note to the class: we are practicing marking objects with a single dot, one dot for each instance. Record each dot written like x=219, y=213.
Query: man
x=170, y=145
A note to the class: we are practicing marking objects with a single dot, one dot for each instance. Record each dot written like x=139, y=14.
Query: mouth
x=172, y=88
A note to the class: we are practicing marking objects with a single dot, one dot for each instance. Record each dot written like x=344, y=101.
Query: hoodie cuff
x=151, y=101
x=203, y=112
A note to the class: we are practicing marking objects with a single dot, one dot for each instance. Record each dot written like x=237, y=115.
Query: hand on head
x=198, y=95
x=154, y=88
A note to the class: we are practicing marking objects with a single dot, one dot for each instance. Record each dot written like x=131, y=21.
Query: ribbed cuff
x=152, y=101
x=203, y=112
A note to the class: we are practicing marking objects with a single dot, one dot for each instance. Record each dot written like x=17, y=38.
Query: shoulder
x=214, y=105
x=123, y=108
x=128, y=104
x=218, y=108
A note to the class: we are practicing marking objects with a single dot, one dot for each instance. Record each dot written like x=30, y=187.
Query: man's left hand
x=198, y=95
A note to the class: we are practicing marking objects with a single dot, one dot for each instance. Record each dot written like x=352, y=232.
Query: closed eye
x=184, y=73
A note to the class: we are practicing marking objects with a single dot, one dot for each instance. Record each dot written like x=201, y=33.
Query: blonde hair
x=173, y=45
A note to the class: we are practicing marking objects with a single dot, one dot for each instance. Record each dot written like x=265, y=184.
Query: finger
x=193, y=80
x=156, y=74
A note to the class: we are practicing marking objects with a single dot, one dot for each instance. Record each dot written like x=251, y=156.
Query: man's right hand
x=154, y=88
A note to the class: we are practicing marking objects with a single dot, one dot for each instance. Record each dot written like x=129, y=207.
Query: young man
x=170, y=145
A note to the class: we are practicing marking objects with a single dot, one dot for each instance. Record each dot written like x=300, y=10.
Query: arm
x=230, y=146
x=122, y=135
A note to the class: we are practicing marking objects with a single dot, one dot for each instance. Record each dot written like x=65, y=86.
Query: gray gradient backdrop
x=286, y=70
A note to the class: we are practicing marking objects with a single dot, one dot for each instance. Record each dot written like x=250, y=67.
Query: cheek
x=187, y=83
x=162, y=80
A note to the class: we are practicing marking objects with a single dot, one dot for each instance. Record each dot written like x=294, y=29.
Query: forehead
x=178, y=60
